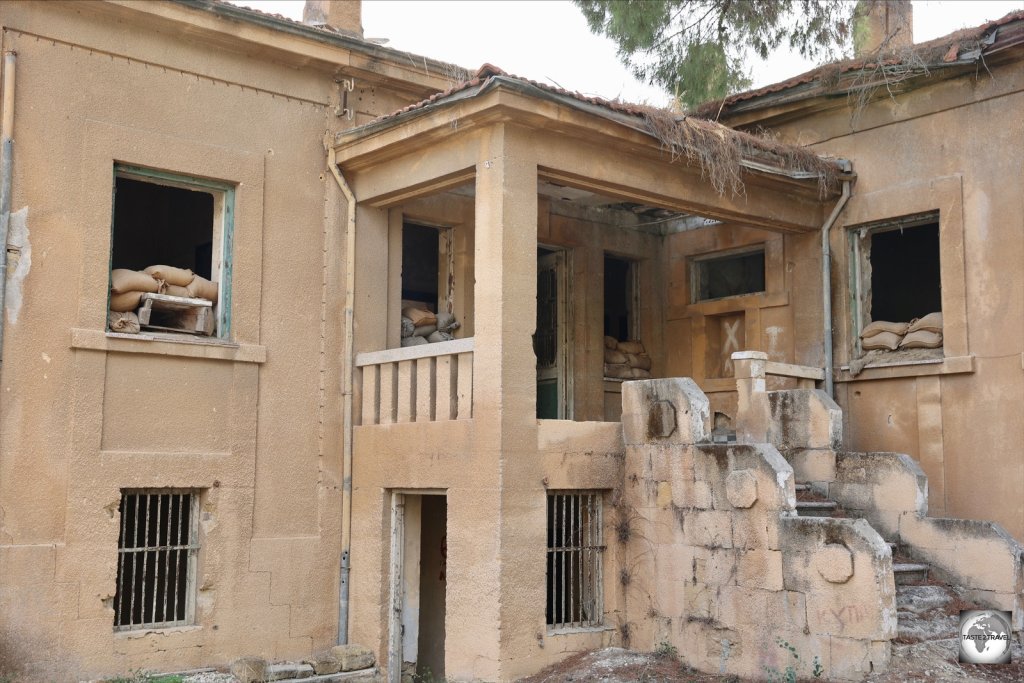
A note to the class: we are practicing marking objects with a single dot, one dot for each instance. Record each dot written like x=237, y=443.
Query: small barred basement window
x=722, y=275
x=574, y=560
x=170, y=254
x=156, y=559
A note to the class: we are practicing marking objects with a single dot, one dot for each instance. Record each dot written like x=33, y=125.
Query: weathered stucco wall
x=253, y=425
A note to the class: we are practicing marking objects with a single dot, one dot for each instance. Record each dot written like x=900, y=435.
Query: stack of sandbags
x=128, y=286
x=626, y=359
x=423, y=327
x=920, y=333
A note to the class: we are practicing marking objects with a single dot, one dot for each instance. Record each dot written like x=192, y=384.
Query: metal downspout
x=348, y=352
x=6, y=169
x=826, y=277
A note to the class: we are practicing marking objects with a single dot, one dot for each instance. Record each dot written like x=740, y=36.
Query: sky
x=549, y=41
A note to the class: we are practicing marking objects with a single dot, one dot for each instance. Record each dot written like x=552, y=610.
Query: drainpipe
x=826, y=275
x=6, y=169
x=349, y=357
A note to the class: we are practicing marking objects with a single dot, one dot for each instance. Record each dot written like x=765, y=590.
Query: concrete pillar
x=508, y=509
x=753, y=415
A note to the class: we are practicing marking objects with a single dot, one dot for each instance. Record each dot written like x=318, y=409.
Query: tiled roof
x=944, y=50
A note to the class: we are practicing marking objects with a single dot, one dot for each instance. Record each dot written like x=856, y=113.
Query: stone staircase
x=977, y=560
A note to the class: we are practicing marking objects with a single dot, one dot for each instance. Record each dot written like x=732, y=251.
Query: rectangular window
x=897, y=277
x=574, y=560
x=170, y=253
x=620, y=293
x=156, y=559
x=718, y=276
x=421, y=267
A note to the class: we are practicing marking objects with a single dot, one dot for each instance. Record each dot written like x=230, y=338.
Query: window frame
x=907, y=199
x=192, y=548
x=856, y=235
x=595, y=527
x=223, y=194
x=698, y=262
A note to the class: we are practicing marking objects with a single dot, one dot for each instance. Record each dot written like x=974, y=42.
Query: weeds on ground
x=141, y=676
x=666, y=650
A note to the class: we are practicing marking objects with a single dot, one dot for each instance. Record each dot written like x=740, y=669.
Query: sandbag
x=439, y=336
x=642, y=361
x=444, y=319
x=618, y=371
x=414, y=341
x=640, y=373
x=201, y=288
x=123, y=280
x=931, y=322
x=634, y=347
x=128, y=301
x=407, y=327
x=419, y=317
x=171, y=275
x=879, y=326
x=922, y=339
x=424, y=330
x=175, y=290
x=887, y=341
x=124, y=322
x=611, y=343
x=613, y=357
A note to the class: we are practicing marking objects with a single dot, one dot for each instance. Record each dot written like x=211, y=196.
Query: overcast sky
x=548, y=40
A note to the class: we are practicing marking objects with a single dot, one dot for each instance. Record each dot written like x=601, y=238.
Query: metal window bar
x=156, y=559
x=574, y=558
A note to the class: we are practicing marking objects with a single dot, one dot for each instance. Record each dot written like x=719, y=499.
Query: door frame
x=562, y=259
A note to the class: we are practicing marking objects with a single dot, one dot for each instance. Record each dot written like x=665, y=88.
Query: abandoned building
x=307, y=340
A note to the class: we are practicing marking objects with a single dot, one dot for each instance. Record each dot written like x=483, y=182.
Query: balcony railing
x=428, y=383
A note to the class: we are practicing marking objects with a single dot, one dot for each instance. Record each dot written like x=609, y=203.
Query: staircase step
x=926, y=612
x=910, y=572
x=815, y=508
x=803, y=487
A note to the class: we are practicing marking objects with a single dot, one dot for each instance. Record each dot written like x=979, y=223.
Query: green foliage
x=695, y=49
x=789, y=674
x=666, y=650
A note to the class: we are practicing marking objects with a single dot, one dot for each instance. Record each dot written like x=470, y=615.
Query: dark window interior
x=730, y=275
x=162, y=225
x=905, y=281
x=420, y=258
x=617, y=297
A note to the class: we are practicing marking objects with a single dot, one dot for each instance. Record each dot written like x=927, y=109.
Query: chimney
x=881, y=26
x=343, y=16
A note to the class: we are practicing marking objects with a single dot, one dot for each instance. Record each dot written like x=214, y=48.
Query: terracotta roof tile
x=946, y=49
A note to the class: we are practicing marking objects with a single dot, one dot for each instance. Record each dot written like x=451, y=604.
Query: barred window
x=156, y=559
x=574, y=559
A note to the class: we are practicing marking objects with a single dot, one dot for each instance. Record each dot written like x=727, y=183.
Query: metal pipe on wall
x=826, y=276
x=6, y=170
x=348, y=352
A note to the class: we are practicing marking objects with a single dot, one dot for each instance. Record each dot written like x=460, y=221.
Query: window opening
x=420, y=266
x=170, y=253
x=905, y=282
x=156, y=559
x=619, y=294
x=574, y=560
x=717, y=277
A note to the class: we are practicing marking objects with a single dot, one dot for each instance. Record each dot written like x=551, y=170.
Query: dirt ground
x=933, y=661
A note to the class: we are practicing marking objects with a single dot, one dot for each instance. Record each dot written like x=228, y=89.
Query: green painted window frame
x=224, y=218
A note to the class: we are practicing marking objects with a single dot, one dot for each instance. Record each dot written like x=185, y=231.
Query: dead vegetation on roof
x=720, y=151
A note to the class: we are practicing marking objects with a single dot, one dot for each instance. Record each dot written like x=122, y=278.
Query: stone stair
x=810, y=503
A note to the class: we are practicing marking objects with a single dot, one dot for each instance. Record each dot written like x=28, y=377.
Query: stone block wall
x=717, y=564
